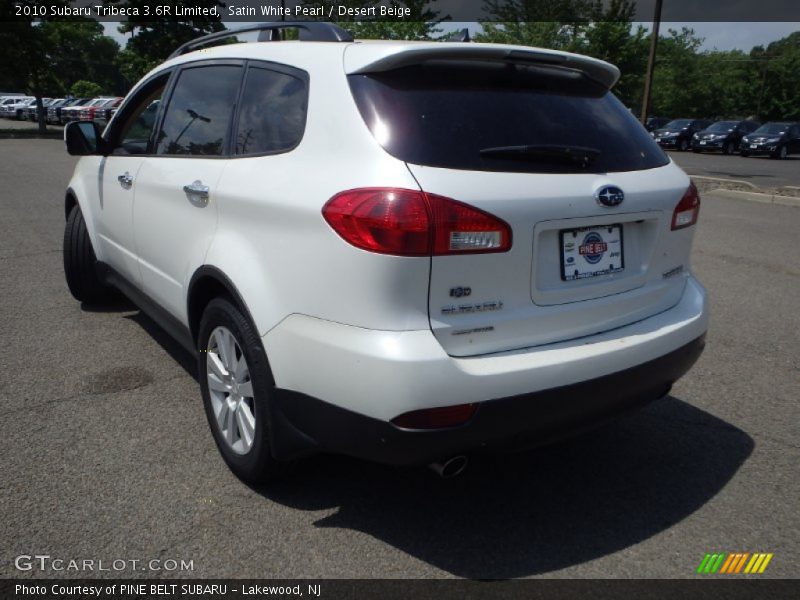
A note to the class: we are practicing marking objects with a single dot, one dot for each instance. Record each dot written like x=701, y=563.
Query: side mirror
x=83, y=138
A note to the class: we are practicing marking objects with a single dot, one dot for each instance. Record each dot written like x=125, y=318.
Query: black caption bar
x=388, y=10
x=439, y=589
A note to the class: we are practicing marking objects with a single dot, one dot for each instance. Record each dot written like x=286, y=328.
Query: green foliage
x=688, y=82
x=778, y=68
x=421, y=24
x=85, y=89
x=153, y=39
x=80, y=50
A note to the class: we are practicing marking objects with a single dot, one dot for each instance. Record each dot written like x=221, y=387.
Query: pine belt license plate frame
x=593, y=263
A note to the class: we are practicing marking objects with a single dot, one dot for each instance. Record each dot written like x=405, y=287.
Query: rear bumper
x=340, y=386
x=303, y=424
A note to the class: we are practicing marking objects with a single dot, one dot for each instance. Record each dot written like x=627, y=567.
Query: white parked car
x=400, y=251
x=14, y=108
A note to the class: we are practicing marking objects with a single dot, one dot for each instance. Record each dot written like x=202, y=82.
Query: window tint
x=138, y=122
x=273, y=112
x=200, y=110
x=445, y=113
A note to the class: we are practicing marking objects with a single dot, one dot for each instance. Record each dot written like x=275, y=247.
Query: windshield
x=773, y=128
x=723, y=126
x=678, y=124
x=492, y=116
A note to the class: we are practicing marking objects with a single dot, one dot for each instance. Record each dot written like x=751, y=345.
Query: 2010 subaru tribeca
x=401, y=251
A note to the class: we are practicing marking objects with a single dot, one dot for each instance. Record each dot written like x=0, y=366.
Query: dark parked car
x=87, y=113
x=678, y=133
x=654, y=123
x=723, y=135
x=102, y=113
x=54, y=110
x=73, y=113
x=30, y=112
x=777, y=139
x=52, y=107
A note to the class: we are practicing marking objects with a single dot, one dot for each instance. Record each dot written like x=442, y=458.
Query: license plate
x=591, y=252
x=702, y=143
x=754, y=145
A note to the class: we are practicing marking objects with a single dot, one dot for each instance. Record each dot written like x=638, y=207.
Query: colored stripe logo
x=734, y=562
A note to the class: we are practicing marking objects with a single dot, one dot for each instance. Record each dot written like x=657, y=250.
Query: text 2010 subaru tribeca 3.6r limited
x=398, y=251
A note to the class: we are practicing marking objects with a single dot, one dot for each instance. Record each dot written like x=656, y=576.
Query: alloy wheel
x=231, y=390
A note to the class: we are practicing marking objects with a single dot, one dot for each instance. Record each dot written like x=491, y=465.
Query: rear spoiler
x=375, y=57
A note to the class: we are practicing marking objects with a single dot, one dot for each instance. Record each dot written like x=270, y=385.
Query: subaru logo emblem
x=609, y=196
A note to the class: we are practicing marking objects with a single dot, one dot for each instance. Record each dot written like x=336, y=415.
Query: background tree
x=28, y=53
x=85, y=89
x=778, y=95
x=555, y=24
x=676, y=65
x=81, y=50
x=421, y=24
x=153, y=39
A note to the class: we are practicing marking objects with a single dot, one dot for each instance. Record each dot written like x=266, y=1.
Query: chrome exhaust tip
x=452, y=467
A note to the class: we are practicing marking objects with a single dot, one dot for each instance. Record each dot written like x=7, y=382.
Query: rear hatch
x=550, y=151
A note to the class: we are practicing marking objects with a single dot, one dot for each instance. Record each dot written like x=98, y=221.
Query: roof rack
x=309, y=31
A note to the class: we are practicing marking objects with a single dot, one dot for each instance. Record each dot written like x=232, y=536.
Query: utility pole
x=651, y=63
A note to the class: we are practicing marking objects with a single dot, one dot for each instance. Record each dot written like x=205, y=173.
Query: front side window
x=200, y=111
x=136, y=130
x=273, y=112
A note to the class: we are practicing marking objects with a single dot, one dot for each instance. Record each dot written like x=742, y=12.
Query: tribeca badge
x=734, y=562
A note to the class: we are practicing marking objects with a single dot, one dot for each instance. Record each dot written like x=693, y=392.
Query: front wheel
x=683, y=145
x=782, y=153
x=728, y=148
x=236, y=387
x=80, y=262
x=744, y=154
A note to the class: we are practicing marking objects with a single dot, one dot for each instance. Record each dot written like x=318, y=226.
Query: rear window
x=445, y=113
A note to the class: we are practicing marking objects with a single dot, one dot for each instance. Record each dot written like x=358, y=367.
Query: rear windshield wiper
x=578, y=154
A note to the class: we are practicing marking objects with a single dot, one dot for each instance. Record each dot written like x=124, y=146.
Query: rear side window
x=272, y=116
x=200, y=111
x=445, y=113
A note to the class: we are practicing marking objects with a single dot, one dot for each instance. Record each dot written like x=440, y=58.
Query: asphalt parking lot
x=106, y=453
x=762, y=171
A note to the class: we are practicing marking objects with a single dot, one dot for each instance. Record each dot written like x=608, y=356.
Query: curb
x=22, y=134
x=736, y=189
x=756, y=197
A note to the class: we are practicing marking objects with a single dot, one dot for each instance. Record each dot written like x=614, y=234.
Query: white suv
x=401, y=251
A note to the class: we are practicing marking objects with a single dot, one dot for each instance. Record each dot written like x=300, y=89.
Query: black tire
x=683, y=145
x=696, y=150
x=781, y=153
x=744, y=154
x=80, y=262
x=257, y=465
x=727, y=148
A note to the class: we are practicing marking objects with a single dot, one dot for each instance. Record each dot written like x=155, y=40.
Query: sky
x=722, y=36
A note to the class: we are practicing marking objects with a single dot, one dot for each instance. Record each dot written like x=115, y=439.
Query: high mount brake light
x=413, y=223
x=688, y=209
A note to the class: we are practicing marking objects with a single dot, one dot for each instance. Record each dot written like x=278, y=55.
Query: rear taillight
x=687, y=210
x=436, y=418
x=413, y=223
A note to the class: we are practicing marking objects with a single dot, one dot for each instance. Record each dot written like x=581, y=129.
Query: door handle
x=125, y=179
x=197, y=188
